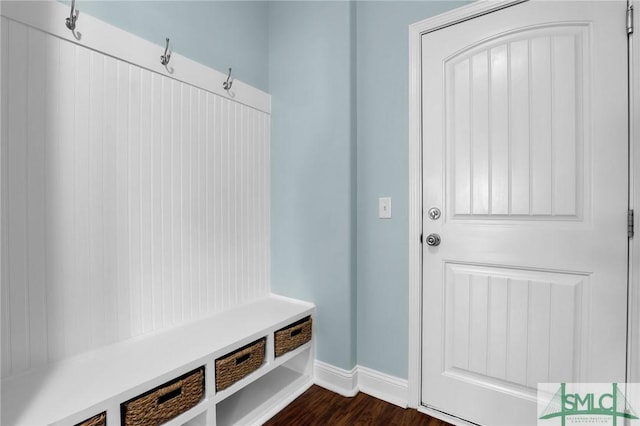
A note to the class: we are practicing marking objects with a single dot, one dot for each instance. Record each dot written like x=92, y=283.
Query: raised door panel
x=514, y=328
x=508, y=156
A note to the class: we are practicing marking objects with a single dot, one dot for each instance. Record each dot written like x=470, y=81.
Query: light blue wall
x=311, y=79
x=383, y=170
x=313, y=165
x=219, y=34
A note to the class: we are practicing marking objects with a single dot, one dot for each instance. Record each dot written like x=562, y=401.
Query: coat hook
x=227, y=84
x=73, y=16
x=164, y=59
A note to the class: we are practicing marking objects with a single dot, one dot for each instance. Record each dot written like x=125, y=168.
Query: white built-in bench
x=75, y=389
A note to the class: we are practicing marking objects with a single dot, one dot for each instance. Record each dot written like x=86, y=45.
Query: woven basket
x=99, y=420
x=165, y=402
x=238, y=364
x=293, y=336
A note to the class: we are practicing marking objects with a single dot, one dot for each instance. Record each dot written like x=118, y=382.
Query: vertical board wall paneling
x=146, y=207
x=266, y=206
x=36, y=200
x=17, y=197
x=82, y=106
x=132, y=202
x=109, y=127
x=96, y=265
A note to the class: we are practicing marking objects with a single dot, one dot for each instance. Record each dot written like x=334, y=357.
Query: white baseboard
x=336, y=379
x=349, y=383
x=383, y=386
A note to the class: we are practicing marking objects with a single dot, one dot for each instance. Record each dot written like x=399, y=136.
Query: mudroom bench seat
x=73, y=390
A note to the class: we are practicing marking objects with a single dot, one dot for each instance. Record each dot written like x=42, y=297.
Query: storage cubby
x=253, y=403
x=71, y=391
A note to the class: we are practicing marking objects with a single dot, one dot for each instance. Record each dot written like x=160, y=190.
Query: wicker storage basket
x=99, y=420
x=165, y=402
x=292, y=336
x=236, y=365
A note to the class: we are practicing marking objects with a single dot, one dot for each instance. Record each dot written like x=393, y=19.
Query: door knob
x=433, y=240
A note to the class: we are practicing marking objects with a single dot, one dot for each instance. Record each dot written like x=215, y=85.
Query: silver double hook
x=227, y=84
x=164, y=59
x=73, y=17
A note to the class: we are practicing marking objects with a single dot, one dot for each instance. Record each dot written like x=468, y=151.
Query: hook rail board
x=50, y=17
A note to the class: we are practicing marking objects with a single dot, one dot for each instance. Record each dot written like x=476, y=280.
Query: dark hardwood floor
x=318, y=406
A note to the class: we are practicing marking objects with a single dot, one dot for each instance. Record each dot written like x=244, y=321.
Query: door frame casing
x=416, y=31
x=633, y=340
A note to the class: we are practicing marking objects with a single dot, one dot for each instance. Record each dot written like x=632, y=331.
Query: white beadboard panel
x=264, y=231
x=17, y=197
x=96, y=261
x=109, y=251
x=513, y=327
x=133, y=201
x=507, y=158
x=134, y=171
x=81, y=107
x=36, y=199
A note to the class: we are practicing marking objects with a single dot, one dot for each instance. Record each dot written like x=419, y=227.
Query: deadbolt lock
x=434, y=213
x=433, y=240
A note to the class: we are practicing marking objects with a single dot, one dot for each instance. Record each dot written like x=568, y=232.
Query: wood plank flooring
x=320, y=407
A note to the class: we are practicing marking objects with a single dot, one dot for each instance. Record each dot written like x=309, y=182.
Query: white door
x=525, y=154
